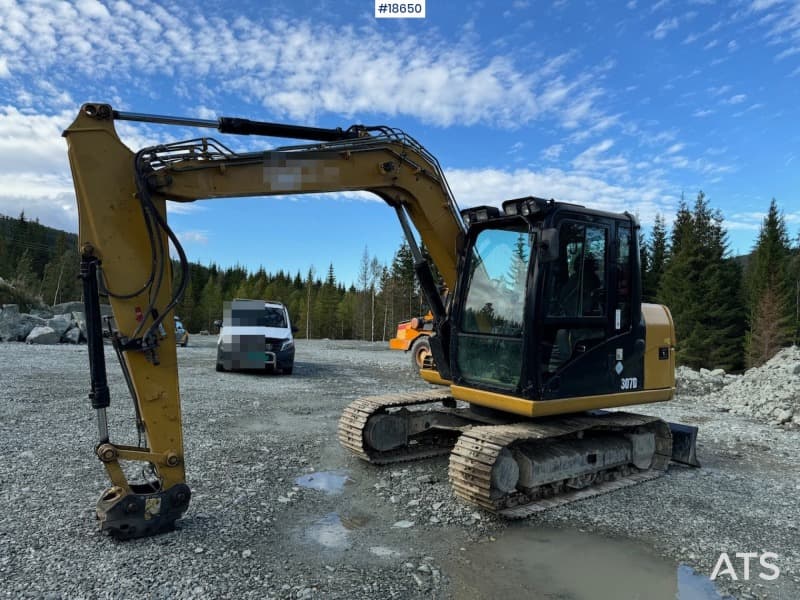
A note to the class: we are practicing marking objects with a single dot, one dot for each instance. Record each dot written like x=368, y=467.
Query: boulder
x=15, y=326
x=60, y=323
x=80, y=321
x=9, y=309
x=42, y=335
x=44, y=313
x=73, y=336
x=67, y=307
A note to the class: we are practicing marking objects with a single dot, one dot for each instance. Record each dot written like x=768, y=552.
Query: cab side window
x=576, y=286
x=622, y=315
x=575, y=295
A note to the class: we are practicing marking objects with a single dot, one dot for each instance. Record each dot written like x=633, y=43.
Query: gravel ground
x=252, y=531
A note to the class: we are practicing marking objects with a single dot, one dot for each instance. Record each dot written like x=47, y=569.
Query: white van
x=255, y=334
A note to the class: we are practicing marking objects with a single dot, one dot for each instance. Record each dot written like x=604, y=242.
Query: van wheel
x=219, y=368
x=420, y=349
x=287, y=371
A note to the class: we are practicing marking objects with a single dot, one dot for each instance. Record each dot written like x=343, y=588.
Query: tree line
x=41, y=263
x=320, y=306
x=729, y=312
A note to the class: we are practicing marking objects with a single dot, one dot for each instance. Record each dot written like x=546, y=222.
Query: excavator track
x=476, y=454
x=354, y=419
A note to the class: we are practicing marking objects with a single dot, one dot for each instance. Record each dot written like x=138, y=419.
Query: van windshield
x=266, y=317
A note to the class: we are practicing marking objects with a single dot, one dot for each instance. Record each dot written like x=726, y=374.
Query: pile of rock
x=770, y=392
x=700, y=383
x=64, y=322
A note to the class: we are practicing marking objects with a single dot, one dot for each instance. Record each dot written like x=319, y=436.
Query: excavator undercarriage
x=515, y=467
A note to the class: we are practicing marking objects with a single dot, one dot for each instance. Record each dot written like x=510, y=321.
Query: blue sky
x=617, y=105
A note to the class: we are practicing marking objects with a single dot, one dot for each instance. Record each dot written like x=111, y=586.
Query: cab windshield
x=492, y=318
x=263, y=317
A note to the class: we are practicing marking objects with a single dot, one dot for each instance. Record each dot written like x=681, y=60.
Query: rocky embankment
x=770, y=393
x=64, y=322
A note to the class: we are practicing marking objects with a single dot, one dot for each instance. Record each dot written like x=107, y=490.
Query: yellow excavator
x=543, y=325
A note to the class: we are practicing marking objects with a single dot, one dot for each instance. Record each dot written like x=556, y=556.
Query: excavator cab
x=550, y=295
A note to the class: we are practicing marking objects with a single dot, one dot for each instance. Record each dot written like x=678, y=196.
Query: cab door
x=586, y=343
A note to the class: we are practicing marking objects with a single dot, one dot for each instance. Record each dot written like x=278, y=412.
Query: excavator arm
x=124, y=244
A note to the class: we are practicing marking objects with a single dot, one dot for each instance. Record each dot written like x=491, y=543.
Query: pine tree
x=768, y=328
x=656, y=259
x=769, y=291
x=25, y=279
x=405, y=283
x=308, y=303
x=327, y=303
x=211, y=302
x=701, y=286
x=374, y=274
x=683, y=226
x=387, y=295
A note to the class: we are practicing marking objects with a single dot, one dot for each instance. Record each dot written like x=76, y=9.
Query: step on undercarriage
x=515, y=467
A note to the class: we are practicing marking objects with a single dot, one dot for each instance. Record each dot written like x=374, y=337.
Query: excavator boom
x=124, y=236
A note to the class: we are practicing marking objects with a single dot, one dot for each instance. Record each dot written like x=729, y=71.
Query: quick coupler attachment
x=142, y=512
x=684, y=444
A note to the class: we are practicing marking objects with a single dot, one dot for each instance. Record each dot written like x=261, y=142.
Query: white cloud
x=734, y=225
x=781, y=20
x=664, y=27
x=718, y=91
x=675, y=148
x=737, y=99
x=41, y=200
x=647, y=197
x=788, y=52
x=732, y=46
x=197, y=237
x=702, y=113
x=710, y=45
x=553, y=152
x=93, y=9
x=594, y=160
x=34, y=171
x=183, y=208
x=759, y=5
x=295, y=70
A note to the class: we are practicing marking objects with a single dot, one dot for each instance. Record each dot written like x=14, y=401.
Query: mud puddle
x=330, y=482
x=529, y=562
x=332, y=531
